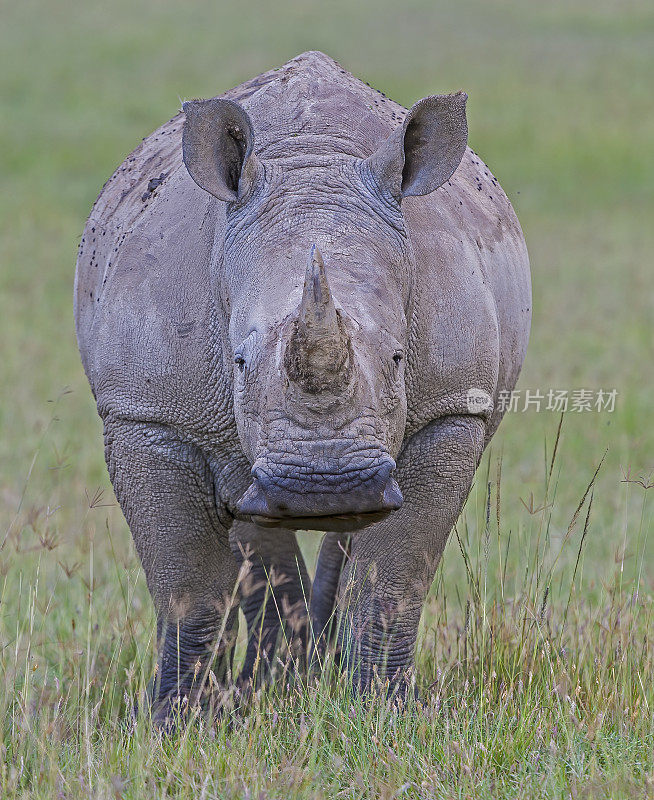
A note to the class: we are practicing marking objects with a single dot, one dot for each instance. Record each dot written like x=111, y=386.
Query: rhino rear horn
x=218, y=148
x=318, y=353
x=423, y=152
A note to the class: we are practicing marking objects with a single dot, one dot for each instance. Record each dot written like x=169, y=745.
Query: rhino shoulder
x=473, y=300
x=143, y=304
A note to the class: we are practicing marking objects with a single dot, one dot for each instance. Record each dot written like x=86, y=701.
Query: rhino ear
x=217, y=146
x=423, y=152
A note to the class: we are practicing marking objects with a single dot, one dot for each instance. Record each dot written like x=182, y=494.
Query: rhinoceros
x=297, y=304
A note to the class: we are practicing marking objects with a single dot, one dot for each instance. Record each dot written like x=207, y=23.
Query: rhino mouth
x=328, y=501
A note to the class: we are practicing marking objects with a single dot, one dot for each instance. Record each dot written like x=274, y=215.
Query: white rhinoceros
x=296, y=305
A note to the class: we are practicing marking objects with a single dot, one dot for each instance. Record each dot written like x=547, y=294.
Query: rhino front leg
x=166, y=492
x=392, y=564
x=274, y=590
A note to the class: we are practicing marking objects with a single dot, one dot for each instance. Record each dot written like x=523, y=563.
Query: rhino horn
x=317, y=309
x=318, y=354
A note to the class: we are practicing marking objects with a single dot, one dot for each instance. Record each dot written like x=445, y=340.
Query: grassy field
x=537, y=647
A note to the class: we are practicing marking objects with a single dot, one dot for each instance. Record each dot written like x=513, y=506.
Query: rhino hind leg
x=165, y=489
x=274, y=589
x=334, y=550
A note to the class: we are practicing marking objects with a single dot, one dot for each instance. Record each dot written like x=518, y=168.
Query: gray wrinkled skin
x=281, y=321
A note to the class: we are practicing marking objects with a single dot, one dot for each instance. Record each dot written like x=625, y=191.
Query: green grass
x=536, y=652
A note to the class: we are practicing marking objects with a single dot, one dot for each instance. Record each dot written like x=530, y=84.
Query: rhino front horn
x=318, y=354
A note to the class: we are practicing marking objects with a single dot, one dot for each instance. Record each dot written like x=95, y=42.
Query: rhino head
x=316, y=279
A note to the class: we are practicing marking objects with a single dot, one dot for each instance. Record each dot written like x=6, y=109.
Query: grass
x=536, y=646
x=526, y=687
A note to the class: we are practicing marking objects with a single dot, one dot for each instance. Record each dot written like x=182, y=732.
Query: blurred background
x=560, y=107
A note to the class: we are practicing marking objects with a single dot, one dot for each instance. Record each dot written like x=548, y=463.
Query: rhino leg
x=166, y=492
x=392, y=564
x=334, y=550
x=274, y=590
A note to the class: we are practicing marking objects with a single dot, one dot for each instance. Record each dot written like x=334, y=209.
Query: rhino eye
x=397, y=358
x=240, y=362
